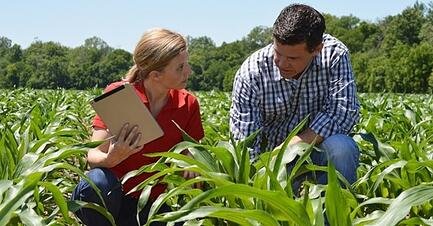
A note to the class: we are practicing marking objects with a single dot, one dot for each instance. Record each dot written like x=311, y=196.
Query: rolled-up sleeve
x=244, y=111
x=341, y=110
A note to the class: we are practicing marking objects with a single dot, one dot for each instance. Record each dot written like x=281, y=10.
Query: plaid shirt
x=263, y=99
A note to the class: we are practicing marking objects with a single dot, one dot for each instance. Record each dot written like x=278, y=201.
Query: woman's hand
x=123, y=145
x=115, y=149
x=192, y=174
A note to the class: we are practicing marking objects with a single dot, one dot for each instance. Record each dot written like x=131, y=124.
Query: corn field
x=44, y=138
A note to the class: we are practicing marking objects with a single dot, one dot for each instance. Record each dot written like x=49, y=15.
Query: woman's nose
x=189, y=70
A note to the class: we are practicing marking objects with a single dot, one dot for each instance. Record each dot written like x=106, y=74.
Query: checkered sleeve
x=244, y=111
x=341, y=110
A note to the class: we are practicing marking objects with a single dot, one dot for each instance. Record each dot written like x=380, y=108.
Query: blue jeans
x=343, y=152
x=123, y=208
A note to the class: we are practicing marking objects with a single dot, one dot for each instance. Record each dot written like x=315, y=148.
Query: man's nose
x=284, y=62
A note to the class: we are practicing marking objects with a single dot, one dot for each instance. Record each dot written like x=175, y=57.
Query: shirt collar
x=176, y=98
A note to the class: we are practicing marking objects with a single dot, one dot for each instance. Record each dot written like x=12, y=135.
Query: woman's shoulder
x=183, y=96
x=113, y=85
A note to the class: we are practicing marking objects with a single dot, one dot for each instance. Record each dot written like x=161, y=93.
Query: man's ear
x=318, y=49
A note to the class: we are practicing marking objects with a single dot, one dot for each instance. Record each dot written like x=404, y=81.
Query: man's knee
x=340, y=147
x=343, y=152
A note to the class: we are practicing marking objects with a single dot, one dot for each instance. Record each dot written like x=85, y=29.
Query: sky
x=121, y=23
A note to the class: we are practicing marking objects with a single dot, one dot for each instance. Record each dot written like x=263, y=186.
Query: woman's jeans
x=122, y=207
x=343, y=153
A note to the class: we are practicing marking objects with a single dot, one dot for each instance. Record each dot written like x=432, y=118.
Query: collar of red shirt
x=176, y=98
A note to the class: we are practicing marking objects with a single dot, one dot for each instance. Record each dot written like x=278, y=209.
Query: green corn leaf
x=75, y=205
x=4, y=186
x=239, y=216
x=30, y=218
x=288, y=209
x=58, y=198
x=143, y=199
x=283, y=147
x=401, y=206
x=19, y=193
x=337, y=210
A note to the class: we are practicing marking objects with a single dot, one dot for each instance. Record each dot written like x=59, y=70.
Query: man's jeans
x=343, y=152
x=123, y=208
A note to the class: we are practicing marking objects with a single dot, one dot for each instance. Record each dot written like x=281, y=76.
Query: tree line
x=394, y=54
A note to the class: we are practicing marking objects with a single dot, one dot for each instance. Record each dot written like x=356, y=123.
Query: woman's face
x=175, y=74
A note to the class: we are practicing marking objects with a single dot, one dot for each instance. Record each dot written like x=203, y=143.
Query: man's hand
x=307, y=136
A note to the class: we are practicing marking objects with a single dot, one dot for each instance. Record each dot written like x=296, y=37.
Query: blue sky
x=121, y=23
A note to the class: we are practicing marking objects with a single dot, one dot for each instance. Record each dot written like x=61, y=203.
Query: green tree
x=258, y=37
x=48, y=62
x=419, y=65
x=11, y=77
x=9, y=54
x=5, y=44
x=201, y=51
x=404, y=27
x=99, y=44
x=84, y=66
x=234, y=53
x=113, y=66
x=16, y=75
x=426, y=32
x=213, y=77
x=214, y=67
x=357, y=35
x=371, y=36
x=229, y=76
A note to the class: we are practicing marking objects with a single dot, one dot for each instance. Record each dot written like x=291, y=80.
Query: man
x=304, y=72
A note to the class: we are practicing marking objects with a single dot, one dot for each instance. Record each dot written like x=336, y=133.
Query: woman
x=159, y=76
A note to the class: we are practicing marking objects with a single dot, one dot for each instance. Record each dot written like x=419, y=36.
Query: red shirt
x=181, y=107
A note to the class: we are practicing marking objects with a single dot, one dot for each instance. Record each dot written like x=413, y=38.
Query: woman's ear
x=154, y=75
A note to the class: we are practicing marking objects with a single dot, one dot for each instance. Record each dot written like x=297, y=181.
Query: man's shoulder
x=257, y=60
x=333, y=50
x=332, y=43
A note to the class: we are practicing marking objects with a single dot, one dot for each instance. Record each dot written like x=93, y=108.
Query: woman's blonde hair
x=154, y=51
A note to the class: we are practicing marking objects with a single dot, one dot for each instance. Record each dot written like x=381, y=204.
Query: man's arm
x=244, y=111
x=341, y=110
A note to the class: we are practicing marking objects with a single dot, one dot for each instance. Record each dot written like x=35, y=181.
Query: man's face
x=293, y=59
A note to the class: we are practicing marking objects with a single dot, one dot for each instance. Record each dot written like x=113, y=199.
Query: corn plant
x=395, y=136
x=41, y=157
x=44, y=140
x=238, y=190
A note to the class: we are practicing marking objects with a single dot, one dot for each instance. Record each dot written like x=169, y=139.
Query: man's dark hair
x=298, y=23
